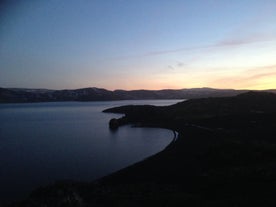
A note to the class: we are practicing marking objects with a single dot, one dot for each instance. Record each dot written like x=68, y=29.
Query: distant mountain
x=14, y=95
x=21, y=95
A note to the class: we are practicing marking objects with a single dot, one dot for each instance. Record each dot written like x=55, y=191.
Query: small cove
x=41, y=143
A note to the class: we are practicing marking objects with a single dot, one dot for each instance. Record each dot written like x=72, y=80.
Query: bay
x=41, y=143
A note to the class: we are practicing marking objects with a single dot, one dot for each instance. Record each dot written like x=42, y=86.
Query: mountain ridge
x=27, y=95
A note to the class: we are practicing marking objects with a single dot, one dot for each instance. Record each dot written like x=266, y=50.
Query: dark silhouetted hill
x=17, y=95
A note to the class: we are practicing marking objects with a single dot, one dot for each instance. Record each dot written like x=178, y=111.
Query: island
x=224, y=155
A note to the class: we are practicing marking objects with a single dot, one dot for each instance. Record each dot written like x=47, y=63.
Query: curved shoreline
x=228, y=162
x=75, y=184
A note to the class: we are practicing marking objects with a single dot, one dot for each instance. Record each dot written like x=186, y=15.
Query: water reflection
x=42, y=143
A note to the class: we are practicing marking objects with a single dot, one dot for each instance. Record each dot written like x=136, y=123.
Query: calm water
x=41, y=143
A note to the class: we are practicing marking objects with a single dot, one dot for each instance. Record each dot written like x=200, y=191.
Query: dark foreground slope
x=225, y=155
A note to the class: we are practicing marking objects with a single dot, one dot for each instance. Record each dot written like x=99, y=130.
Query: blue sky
x=138, y=44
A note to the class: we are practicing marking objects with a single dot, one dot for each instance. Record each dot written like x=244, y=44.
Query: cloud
x=170, y=67
x=225, y=43
x=239, y=41
x=256, y=78
x=164, y=52
x=180, y=64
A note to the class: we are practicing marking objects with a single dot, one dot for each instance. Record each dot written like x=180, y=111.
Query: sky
x=138, y=44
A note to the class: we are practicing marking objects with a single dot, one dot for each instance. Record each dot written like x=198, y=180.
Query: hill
x=17, y=95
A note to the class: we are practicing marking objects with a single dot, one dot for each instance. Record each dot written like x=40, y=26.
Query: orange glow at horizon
x=260, y=78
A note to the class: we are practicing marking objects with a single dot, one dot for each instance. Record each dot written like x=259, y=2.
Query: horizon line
x=141, y=89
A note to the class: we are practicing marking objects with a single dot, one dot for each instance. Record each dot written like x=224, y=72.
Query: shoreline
x=70, y=183
x=224, y=155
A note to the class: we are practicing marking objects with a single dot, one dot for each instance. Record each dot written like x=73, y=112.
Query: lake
x=41, y=143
